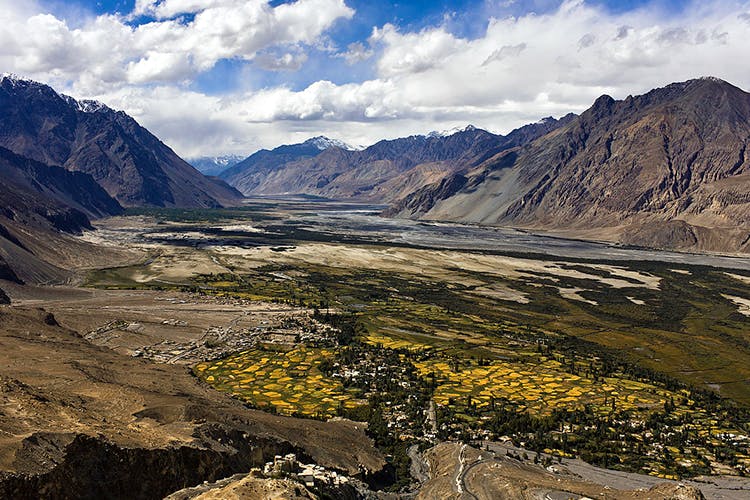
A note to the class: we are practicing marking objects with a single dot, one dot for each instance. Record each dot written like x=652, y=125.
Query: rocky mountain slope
x=666, y=169
x=39, y=204
x=129, y=162
x=385, y=171
x=81, y=421
x=63, y=199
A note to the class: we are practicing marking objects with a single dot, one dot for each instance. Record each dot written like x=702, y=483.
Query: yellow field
x=290, y=381
x=540, y=388
x=390, y=343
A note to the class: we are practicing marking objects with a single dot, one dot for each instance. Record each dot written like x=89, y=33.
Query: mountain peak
x=546, y=119
x=21, y=84
x=452, y=131
x=703, y=83
x=10, y=76
x=85, y=105
x=55, y=129
x=712, y=79
x=15, y=79
x=706, y=93
x=322, y=143
x=15, y=84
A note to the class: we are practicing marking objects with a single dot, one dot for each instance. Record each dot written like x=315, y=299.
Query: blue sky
x=233, y=76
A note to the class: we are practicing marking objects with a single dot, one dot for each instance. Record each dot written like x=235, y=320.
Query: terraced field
x=540, y=389
x=288, y=382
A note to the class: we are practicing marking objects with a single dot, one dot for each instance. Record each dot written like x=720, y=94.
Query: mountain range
x=129, y=162
x=381, y=173
x=666, y=169
x=254, y=174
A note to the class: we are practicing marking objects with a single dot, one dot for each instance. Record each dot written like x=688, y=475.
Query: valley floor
x=311, y=312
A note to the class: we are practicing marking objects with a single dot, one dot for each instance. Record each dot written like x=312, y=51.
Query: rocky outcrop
x=423, y=199
x=676, y=234
x=88, y=467
x=458, y=470
x=31, y=183
x=7, y=273
x=246, y=486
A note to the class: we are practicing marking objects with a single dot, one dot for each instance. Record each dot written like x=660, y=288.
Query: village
x=325, y=364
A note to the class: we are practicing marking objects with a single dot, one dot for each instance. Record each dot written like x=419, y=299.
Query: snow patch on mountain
x=90, y=106
x=225, y=160
x=323, y=143
x=84, y=105
x=452, y=131
x=13, y=78
x=214, y=165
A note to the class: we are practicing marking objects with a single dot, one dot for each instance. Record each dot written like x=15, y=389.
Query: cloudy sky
x=232, y=76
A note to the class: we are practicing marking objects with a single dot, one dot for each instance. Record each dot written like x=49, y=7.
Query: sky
x=213, y=77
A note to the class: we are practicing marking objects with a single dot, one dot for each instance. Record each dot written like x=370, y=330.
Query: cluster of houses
x=311, y=475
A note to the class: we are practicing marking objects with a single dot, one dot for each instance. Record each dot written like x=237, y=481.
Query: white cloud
x=160, y=66
x=504, y=52
x=285, y=62
x=165, y=9
x=356, y=52
x=415, y=52
x=108, y=50
x=541, y=64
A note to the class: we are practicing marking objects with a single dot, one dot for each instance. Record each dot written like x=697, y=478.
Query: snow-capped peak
x=218, y=160
x=13, y=78
x=226, y=160
x=84, y=105
x=546, y=119
x=91, y=106
x=323, y=143
x=711, y=79
x=452, y=131
x=19, y=81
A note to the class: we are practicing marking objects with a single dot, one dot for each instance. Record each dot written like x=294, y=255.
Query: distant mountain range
x=214, y=165
x=129, y=162
x=383, y=172
x=250, y=175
